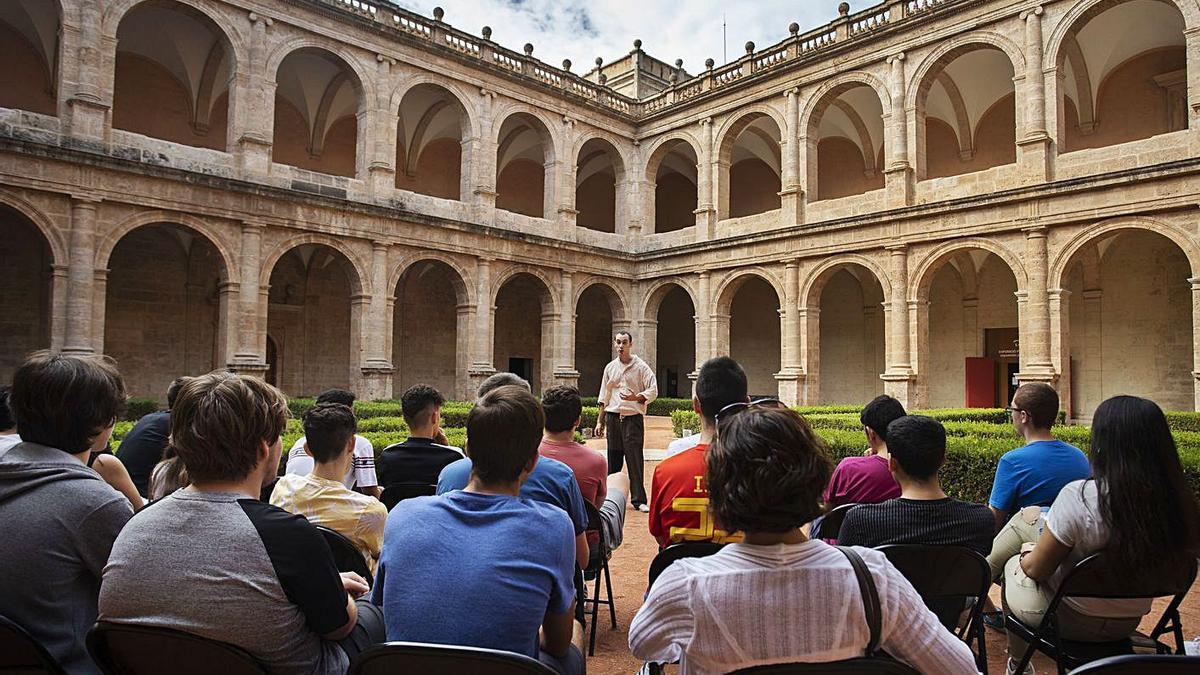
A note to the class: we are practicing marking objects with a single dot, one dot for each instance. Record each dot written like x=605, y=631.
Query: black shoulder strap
x=870, y=596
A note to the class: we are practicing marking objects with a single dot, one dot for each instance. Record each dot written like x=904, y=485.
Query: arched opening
x=173, y=70
x=430, y=131
x=598, y=171
x=672, y=174
x=851, y=337
x=973, y=352
x=750, y=156
x=1130, y=321
x=595, y=314
x=29, y=52
x=675, y=351
x=317, y=101
x=429, y=330
x=1124, y=74
x=524, y=333
x=523, y=156
x=309, y=317
x=847, y=130
x=27, y=261
x=163, y=306
x=967, y=113
x=754, y=334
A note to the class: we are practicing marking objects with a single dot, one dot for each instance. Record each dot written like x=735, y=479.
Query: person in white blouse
x=766, y=471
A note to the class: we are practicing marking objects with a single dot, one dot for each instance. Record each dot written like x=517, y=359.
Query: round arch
x=547, y=286
x=1086, y=9
x=733, y=281
x=58, y=247
x=618, y=301
x=663, y=146
x=551, y=141
x=234, y=35
x=1062, y=261
x=658, y=290
x=107, y=243
x=815, y=282
x=471, y=123
x=924, y=272
x=622, y=160
x=925, y=74
x=831, y=89
x=364, y=84
x=359, y=280
x=463, y=286
x=734, y=124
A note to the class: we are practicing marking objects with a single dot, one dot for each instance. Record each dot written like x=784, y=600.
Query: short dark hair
x=173, y=390
x=341, y=396
x=419, y=401
x=766, y=471
x=1040, y=401
x=503, y=432
x=328, y=428
x=63, y=401
x=918, y=444
x=625, y=333
x=879, y=413
x=220, y=419
x=562, y=406
x=501, y=379
x=6, y=418
x=721, y=381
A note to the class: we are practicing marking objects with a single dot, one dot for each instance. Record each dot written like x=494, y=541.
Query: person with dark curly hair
x=407, y=467
x=766, y=471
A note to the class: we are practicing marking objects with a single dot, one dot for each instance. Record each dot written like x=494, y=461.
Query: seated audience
x=361, y=475
x=213, y=560
x=1137, y=508
x=8, y=426
x=419, y=459
x=142, y=448
x=678, y=492
x=113, y=472
x=321, y=497
x=766, y=469
x=486, y=566
x=501, y=379
x=168, y=475
x=867, y=479
x=59, y=518
x=683, y=443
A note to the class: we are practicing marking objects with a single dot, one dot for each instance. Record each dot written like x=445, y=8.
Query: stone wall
x=852, y=349
x=25, y=293
x=425, y=331
x=754, y=335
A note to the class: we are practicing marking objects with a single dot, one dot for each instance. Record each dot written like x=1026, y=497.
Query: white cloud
x=581, y=30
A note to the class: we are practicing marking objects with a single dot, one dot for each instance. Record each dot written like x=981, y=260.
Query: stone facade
x=334, y=192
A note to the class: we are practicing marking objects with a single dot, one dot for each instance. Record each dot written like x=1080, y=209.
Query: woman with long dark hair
x=1137, y=508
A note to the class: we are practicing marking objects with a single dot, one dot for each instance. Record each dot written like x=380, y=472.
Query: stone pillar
x=791, y=375
x=898, y=171
x=86, y=100
x=1090, y=378
x=1195, y=282
x=81, y=277
x=1035, y=155
x=703, y=314
x=226, y=317
x=791, y=197
x=706, y=215
x=1036, y=365
x=564, y=181
x=898, y=379
x=550, y=324
x=60, y=276
x=719, y=333
x=1191, y=38
x=377, y=369
x=565, y=371
x=99, y=303
x=462, y=361
x=481, y=333
x=378, y=134
x=809, y=319
x=484, y=165
x=1060, y=346
x=247, y=324
x=252, y=104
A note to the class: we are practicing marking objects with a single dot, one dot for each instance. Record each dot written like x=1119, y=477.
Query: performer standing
x=627, y=387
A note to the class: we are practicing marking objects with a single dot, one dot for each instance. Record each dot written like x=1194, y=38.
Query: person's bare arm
x=1041, y=559
x=373, y=491
x=355, y=586
x=599, y=430
x=582, y=553
x=557, y=631
x=1000, y=516
x=116, y=475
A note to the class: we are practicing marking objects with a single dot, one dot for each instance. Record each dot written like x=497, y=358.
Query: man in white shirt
x=627, y=387
x=361, y=474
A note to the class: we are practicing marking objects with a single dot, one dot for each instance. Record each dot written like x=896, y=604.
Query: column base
x=86, y=120
x=477, y=373
x=381, y=180
x=377, y=382
x=1038, y=375
x=1035, y=159
x=248, y=366
x=791, y=203
x=791, y=386
x=901, y=386
x=899, y=185
x=254, y=156
x=706, y=224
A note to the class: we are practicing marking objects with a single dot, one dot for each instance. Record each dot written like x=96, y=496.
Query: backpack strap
x=870, y=596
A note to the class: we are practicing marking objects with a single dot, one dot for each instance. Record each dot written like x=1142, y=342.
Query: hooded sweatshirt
x=58, y=521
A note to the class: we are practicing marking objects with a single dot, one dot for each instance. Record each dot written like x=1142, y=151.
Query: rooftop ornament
x=794, y=28
x=567, y=65
x=678, y=63
x=749, y=47
x=844, y=9
x=709, y=63
x=637, y=44
x=438, y=13
x=487, y=32
x=528, y=49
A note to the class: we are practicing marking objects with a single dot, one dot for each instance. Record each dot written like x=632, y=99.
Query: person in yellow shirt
x=320, y=496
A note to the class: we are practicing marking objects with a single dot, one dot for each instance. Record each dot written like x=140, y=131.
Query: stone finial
x=673, y=77
x=793, y=28
x=637, y=44
x=599, y=61
x=528, y=49
x=487, y=32
x=709, y=63
x=749, y=47
x=678, y=63
x=843, y=9
x=567, y=64
x=438, y=13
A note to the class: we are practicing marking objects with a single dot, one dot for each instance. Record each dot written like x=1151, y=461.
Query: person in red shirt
x=678, y=492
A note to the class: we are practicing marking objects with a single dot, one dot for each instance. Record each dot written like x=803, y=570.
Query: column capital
x=1034, y=231
x=85, y=200
x=897, y=249
x=1032, y=12
x=791, y=263
x=706, y=121
x=895, y=58
x=380, y=247
x=791, y=92
x=253, y=226
x=1195, y=282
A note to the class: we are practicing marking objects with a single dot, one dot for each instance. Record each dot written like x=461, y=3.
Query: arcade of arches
x=1011, y=201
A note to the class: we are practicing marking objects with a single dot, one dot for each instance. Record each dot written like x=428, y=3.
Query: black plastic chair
x=429, y=659
x=141, y=650
x=346, y=555
x=21, y=653
x=597, y=568
x=831, y=524
x=944, y=576
x=684, y=549
x=1093, y=577
x=1142, y=663
x=397, y=492
x=881, y=665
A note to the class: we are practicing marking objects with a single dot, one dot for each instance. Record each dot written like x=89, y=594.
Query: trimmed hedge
x=138, y=406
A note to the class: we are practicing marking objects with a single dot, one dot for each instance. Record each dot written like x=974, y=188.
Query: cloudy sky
x=581, y=30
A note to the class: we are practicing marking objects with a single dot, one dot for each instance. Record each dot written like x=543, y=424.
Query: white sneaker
x=1012, y=668
x=643, y=508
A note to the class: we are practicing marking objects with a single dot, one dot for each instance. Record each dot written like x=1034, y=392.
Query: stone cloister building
x=930, y=198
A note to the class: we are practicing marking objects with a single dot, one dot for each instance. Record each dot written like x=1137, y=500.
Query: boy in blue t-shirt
x=486, y=566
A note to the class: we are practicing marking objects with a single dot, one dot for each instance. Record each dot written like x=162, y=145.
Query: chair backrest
x=20, y=652
x=1096, y=577
x=1163, y=664
x=142, y=650
x=430, y=659
x=881, y=665
x=395, y=493
x=684, y=549
x=346, y=555
x=941, y=571
x=831, y=524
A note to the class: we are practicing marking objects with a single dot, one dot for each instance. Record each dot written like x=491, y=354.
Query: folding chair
x=943, y=576
x=879, y=665
x=1094, y=577
x=1130, y=664
x=346, y=555
x=397, y=492
x=20, y=652
x=140, y=650
x=829, y=526
x=429, y=659
x=597, y=567
x=668, y=555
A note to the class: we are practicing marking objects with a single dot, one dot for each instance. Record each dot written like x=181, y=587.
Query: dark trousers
x=370, y=629
x=625, y=438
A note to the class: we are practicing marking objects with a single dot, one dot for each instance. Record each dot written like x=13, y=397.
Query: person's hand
x=355, y=585
x=868, y=452
x=440, y=437
x=599, y=430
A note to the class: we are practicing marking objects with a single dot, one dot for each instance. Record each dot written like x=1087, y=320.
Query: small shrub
x=138, y=406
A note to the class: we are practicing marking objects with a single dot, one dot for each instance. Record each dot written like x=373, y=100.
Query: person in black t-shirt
x=409, y=467
x=143, y=446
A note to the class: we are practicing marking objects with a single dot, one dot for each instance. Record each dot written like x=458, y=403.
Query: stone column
x=481, y=333
x=60, y=276
x=792, y=195
x=86, y=99
x=246, y=323
x=1191, y=38
x=809, y=319
x=462, y=361
x=706, y=216
x=564, y=180
x=1060, y=345
x=1195, y=282
x=1090, y=377
x=703, y=312
x=1035, y=154
x=565, y=371
x=81, y=277
x=550, y=324
x=252, y=104
x=378, y=134
x=484, y=164
x=1035, y=339
x=376, y=366
x=99, y=303
x=226, y=318
x=898, y=380
x=898, y=172
x=791, y=375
